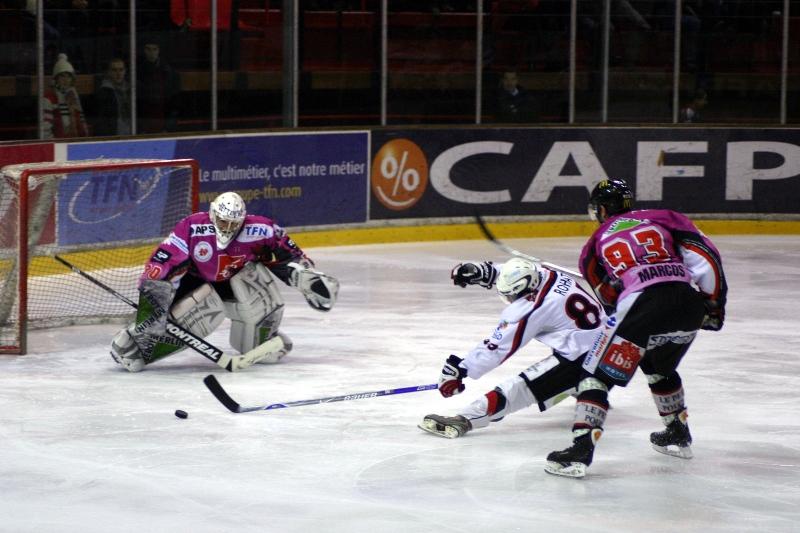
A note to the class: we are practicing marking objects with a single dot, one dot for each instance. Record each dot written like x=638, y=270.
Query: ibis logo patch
x=621, y=359
x=399, y=174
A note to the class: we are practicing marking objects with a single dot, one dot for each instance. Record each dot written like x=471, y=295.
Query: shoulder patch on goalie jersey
x=201, y=230
x=255, y=232
x=161, y=256
x=177, y=242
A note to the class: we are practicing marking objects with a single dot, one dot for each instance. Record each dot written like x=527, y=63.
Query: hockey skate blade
x=674, y=451
x=575, y=470
x=432, y=427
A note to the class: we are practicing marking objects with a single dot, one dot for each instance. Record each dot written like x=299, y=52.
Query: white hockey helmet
x=518, y=277
x=227, y=213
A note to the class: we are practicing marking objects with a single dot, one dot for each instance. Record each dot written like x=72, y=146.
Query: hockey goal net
x=104, y=216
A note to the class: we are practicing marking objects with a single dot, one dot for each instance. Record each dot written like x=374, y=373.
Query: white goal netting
x=104, y=216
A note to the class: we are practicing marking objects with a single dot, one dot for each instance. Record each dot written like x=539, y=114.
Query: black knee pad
x=666, y=385
x=594, y=396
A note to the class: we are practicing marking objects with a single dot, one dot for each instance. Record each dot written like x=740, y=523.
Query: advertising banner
x=446, y=173
x=300, y=179
x=100, y=207
x=297, y=179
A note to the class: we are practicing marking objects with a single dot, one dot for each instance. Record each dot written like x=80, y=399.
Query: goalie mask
x=227, y=213
x=518, y=277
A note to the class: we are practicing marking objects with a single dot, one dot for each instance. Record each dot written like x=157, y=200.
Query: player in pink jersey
x=215, y=265
x=544, y=305
x=663, y=280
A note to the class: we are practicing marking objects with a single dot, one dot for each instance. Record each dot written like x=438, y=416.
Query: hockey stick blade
x=220, y=394
x=509, y=250
x=233, y=406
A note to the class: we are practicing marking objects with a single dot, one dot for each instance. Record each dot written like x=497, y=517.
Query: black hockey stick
x=509, y=250
x=207, y=350
x=231, y=404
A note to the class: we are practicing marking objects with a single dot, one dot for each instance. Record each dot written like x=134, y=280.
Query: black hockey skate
x=675, y=440
x=449, y=427
x=573, y=461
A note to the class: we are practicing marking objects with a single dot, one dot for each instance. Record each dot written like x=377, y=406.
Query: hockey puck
x=181, y=414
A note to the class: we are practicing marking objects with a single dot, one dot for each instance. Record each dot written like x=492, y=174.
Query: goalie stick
x=229, y=362
x=509, y=250
x=220, y=394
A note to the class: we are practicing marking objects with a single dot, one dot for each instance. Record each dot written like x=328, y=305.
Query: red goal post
x=104, y=215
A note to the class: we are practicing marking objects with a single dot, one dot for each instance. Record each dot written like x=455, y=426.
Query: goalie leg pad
x=201, y=312
x=257, y=310
x=278, y=351
x=125, y=351
x=155, y=297
x=270, y=351
x=150, y=326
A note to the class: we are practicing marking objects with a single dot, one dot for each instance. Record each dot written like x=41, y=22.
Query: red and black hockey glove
x=450, y=380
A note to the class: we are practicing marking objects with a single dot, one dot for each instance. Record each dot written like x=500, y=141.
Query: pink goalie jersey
x=192, y=247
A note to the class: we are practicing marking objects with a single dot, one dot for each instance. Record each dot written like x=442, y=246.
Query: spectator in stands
x=690, y=112
x=113, y=103
x=514, y=104
x=157, y=90
x=63, y=113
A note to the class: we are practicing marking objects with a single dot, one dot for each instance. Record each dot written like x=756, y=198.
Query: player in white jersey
x=545, y=305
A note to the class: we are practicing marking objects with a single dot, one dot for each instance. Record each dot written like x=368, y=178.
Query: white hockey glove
x=470, y=273
x=450, y=382
x=318, y=289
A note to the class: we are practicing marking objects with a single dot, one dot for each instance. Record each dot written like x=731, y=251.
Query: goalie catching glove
x=470, y=273
x=318, y=289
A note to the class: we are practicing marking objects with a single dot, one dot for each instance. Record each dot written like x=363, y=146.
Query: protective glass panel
x=431, y=62
x=641, y=52
x=18, y=82
x=339, y=63
x=250, y=52
x=526, y=62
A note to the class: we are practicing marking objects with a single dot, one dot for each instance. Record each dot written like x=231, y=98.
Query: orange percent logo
x=399, y=174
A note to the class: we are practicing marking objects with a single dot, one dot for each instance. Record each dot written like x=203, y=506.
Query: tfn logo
x=108, y=196
x=256, y=232
x=260, y=231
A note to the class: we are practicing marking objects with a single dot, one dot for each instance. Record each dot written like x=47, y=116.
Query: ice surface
x=89, y=447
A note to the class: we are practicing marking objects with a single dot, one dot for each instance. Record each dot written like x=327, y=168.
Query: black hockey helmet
x=614, y=195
